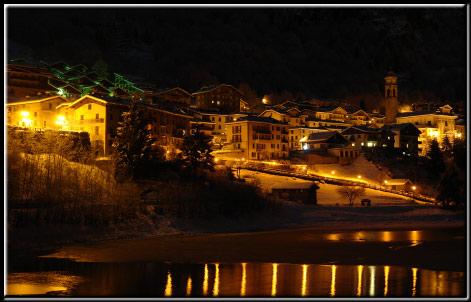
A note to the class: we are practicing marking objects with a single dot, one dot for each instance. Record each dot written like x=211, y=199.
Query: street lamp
x=359, y=176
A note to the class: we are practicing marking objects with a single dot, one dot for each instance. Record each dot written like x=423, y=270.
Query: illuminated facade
x=258, y=138
x=434, y=124
x=36, y=113
x=297, y=135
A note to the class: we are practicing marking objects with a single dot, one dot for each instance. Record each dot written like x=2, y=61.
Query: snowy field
x=327, y=193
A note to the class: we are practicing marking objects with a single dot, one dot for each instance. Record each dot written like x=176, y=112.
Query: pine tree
x=435, y=160
x=196, y=152
x=134, y=152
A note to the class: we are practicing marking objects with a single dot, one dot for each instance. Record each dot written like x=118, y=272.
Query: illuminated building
x=433, y=124
x=35, y=113
x=259, y=138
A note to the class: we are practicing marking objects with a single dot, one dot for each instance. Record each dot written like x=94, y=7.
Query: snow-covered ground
x=327, y=193
x=359, y=167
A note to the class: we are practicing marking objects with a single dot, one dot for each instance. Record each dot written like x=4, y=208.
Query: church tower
x=390, y=96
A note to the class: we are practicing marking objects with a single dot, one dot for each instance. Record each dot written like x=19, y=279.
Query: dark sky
x=320, y=52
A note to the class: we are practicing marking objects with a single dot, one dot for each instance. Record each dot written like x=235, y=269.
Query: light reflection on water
x=245, y=279
x=40, y=283
x=415, y=237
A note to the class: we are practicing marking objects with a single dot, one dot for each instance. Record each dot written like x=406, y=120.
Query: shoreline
x=276, y=246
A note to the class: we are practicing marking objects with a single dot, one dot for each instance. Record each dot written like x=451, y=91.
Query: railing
x=91, y=121
x=337, y=181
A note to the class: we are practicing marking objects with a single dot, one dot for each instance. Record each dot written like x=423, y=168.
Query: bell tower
x=390, y=96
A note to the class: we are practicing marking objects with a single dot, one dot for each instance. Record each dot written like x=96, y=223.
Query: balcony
x=261, y=136
x=91, y=121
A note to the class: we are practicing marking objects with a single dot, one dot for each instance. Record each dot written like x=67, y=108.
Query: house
x=326, y=147
x=38, y=113
x=25, y=79
x=224, y=97
x=171, y=96
x=433, y=124
x=303, y=192
x=399, y=184
x=363, y=136
x=258, y=138
x=292, y=116
x=99, y=116
x=169, y=126
x=299, y=134
x=406, y=137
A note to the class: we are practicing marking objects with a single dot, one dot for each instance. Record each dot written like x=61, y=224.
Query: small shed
x=400, y=184
x=304, y=192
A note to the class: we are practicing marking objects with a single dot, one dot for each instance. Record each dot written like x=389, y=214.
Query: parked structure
x=297, y=192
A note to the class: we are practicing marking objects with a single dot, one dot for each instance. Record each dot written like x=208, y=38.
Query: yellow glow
x=386, y=277
x=303, y=139
x=385, y=181
x=216, y=282
x=413, y=188
x=273, y=281
x=205, y=281
x=334, y=237
x=359, y=176
x=243, y=158
x=360, y=273
x=414, y=281
x=168, y=286
x=332, y=283
x=26, y=122
x=24, y=113
x=168, y=151
x=304, y=167
x=264, y=100
x=333, y=172
x=216, y=159
x=32, y=289
x=188, y=286
x=372, y=280
x=303, y=287
x=386, y=236
x=61, y=118
x=243, y=283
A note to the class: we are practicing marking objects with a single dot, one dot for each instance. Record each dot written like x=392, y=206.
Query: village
x=235, y=151
x=76, y=99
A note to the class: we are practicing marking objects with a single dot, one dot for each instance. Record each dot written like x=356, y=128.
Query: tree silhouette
x=196, y=152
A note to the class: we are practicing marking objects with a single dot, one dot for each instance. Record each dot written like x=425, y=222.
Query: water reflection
x=414, y=281
x=332, y=283
x=241, y=279
x=243, y=283
x=168, y=286
x=274, y=279
x=360, y=274
x=205, y=282
x=415, y=237
x=40, y=283
x=216, y=282
x=372, y=280
x=188, y=286
x=303, y=286
x=386, y=279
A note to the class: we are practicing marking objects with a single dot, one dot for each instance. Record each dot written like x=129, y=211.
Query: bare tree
x=351, y=192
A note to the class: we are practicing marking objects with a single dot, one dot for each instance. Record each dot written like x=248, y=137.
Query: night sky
x=300, y=52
